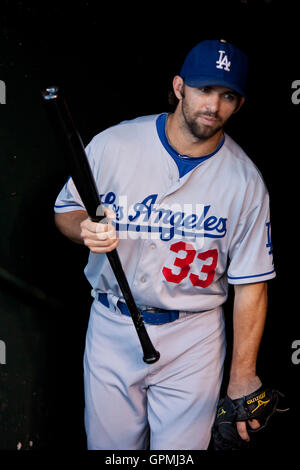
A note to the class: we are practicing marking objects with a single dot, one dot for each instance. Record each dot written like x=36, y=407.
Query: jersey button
x=143, y=279
x=152, y=246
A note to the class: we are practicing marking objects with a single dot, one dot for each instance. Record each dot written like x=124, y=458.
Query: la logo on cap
x=223, y=62
x=216, y=62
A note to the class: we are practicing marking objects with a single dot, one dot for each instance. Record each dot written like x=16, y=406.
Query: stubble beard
x=198, y=130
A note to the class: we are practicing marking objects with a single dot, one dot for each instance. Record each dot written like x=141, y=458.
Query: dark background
x=116, y=63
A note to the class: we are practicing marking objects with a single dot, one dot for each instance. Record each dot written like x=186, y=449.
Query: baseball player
x=189, y=213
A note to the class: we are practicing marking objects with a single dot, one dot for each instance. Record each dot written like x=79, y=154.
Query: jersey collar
x=161, y=131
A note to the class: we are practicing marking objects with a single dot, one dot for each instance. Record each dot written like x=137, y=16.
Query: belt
x=157, y=316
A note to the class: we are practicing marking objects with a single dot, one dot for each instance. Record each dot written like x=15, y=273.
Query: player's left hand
x=233, y=415
x=237, y=389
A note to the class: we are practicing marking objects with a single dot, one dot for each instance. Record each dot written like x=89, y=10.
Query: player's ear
x=240, y=104
x=178, y=86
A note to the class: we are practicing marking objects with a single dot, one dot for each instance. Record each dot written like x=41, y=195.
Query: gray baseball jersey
x=187, y=226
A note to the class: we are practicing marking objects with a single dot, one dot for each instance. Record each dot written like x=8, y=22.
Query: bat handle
x=150, y=353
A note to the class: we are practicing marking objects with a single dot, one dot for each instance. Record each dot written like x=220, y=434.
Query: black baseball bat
x=84, y=181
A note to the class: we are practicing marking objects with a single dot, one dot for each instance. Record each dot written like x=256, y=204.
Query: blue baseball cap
x=216, y=62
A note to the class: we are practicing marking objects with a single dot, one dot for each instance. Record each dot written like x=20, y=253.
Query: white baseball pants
x=168, y=405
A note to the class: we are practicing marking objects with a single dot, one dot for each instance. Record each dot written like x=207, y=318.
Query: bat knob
x=150, y=359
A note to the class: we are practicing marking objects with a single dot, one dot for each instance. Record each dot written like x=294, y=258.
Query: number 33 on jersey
x=186, y=230
x=186, y=262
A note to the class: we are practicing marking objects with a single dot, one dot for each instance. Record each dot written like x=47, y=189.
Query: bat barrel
x=79, y=166
x=50, y=93
x=85, y=184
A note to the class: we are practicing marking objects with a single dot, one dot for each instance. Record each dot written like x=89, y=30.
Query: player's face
x=206, y=110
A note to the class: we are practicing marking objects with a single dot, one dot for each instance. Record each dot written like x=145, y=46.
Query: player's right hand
x=99, y=237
